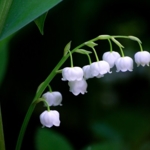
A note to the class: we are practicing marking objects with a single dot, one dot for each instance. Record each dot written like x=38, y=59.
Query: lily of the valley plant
x=76, y=76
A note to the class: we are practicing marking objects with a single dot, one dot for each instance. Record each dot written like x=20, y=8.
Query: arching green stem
x=43, y=100
x=141, y=48
x=121, y=36
x=131, y=37
x=40, y=91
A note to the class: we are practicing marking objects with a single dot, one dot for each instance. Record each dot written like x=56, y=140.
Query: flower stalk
x=39, y=93
x=50, y=77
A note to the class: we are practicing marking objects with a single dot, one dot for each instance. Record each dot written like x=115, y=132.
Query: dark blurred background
x=114, y=114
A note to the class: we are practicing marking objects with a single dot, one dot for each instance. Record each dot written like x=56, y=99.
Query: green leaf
x=133, y=125
x=106, y=146
x=4, y=56
x=104, y=131
x=91, y=44
x=39, y=87
x=135, y=39
x=83, y=51
x=67, y=48
x=15, y=14
x=3, y=67
x=40, y=22
x=117, y=42
x=46, y=139
x=2, y=140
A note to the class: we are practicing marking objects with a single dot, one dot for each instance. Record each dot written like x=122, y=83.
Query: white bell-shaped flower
x=98, y=69
x=50, y=118
x=72, y=74
x=77, y=87
x=142, y=58
x=124, y=64
x=53, y=98
x=111, y=57
x=87, y=72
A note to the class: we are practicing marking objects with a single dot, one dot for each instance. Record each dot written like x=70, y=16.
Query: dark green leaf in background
x=4, y=57
x=15, y=14
x=47, y=139
x=104, y=131
x=127, y=127
x=2, y=141
x=106, y=146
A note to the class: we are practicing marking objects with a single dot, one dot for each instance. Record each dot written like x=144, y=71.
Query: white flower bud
x=98, y=69
x=111, y=57
x=142, y=58
x=53, y=98
x=72, y=74
x=124, y=64
x=77, y=87
x=50, y=118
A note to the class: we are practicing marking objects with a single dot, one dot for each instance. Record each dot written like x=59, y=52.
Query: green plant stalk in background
x=2, y=140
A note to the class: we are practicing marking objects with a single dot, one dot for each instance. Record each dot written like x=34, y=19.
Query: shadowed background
x=114, y=114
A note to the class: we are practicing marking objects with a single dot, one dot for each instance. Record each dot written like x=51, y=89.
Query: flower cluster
x=76, y=82
x=51, y=117
x=122, y=63
x=111, y=57
x=126, y=63
x=77, y=77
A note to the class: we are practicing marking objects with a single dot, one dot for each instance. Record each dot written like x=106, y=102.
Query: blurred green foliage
x=47, y=139
x=4, y=48
x=114, y=114
x=15, y=14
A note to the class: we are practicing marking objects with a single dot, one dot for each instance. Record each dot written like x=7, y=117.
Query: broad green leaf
x=4, y=10
x=4, y=57
x=3, y=66
x=15, y=14
x=145, y=145
x=104, y=131
x=2, y=140
x=46, y=139
x=106, y=146
x=132, y=125
x=40, y=22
